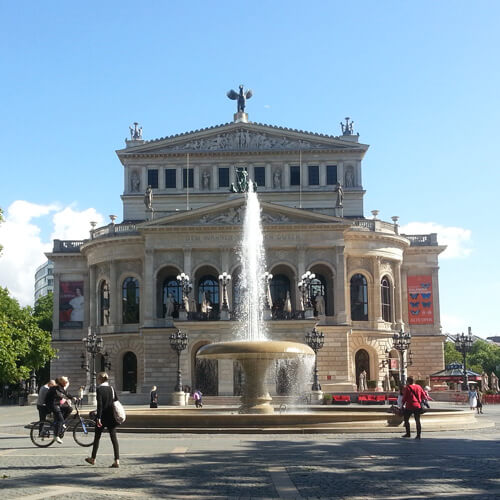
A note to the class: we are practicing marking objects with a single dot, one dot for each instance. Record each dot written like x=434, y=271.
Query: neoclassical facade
x=122, y=280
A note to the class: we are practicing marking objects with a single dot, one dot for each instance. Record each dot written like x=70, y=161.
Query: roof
x=454, y=372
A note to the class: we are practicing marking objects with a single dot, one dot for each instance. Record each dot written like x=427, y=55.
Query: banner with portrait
x=71, y=304
x=420, y=300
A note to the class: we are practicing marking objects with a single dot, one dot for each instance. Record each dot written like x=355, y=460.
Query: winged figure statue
x=241, y=97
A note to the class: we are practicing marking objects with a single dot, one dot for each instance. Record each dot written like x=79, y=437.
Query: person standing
x=413, y=395
x=472, y=398
x=43, y=411
x=153, y=397
x=479, y=399
x=197, y=396
x=105, y=419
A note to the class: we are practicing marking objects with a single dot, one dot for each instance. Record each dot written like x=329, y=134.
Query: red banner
x=420, y=300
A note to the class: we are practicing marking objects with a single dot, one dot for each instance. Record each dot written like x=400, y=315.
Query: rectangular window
x=259, y=174
x=313, y=172
x=170, y=178
x=294, y=176
x=185, y=178
x=331, y=174
x=223, y=176
x=153, y=178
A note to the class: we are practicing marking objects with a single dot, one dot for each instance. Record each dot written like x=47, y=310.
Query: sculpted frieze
x=236, y=215
x=245, y=140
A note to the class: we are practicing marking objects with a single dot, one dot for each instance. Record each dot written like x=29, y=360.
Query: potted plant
x=371, y=384
x=327, y=399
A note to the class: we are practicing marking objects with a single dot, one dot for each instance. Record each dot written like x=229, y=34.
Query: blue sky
x=420, y=79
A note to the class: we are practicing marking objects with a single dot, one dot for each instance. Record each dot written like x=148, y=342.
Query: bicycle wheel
x=42, y=434
x=84, y=431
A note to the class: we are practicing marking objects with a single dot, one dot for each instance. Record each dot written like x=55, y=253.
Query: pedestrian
x=43, y=411
x=472, y=398
x=425, y=402
x=105, y=419
x=479, y=398
x=153, y=397
x=412, y=403
x=81, y=392
x=197, y=396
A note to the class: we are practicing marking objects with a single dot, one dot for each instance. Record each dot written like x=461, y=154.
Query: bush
x=327, y=399
x=371, y=384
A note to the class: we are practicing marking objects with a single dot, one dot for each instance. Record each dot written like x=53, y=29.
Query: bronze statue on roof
x=241, y=97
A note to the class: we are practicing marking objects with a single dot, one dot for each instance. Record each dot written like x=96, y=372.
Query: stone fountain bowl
x=255, y=358
x=263, y=349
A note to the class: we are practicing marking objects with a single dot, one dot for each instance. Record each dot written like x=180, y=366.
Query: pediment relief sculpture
x=246, y=140
x=236, y=216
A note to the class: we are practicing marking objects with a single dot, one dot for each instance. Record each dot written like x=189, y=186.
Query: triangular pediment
x=232, y=213
x=241, y=137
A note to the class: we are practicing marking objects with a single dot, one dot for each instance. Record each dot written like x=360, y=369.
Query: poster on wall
x=71, y=304
x=420, y=301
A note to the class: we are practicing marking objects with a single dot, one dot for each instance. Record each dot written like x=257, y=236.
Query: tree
x=483, y=356
x=43, y=311
x=24, y=346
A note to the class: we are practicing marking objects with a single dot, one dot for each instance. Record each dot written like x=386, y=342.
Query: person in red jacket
x=413, y=396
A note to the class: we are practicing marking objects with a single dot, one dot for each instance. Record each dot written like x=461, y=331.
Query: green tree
x=451, y=355
x=24, y=346
x=43, y=311
x=483, y=356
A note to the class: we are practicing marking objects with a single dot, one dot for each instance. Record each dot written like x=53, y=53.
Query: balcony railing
x=114, y=230
x=374, y=225
x=67, y=246
x=422, y=240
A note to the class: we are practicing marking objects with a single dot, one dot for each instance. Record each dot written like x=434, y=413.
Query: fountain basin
x=255, y=358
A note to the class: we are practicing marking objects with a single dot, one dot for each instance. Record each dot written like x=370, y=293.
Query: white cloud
x=24, y=245
x=457, y=239
x=267, y=106
x=453, y=324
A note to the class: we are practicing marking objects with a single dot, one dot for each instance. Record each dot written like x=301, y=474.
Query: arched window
x=280, y=285
x=104, y=303
x=130, y=300
x=206, y=376
x=172, y=286
x=362, y=362
x=385, y=293
x=359, y=298
x=318, y=288
x=208, y=290
x=129, y=372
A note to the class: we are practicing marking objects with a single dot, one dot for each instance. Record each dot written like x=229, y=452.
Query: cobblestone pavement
x=450, y=465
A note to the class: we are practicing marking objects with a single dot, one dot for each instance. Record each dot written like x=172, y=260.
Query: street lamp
x=463, y=344
x=401, y=342
x=93, y=345
x=186, y=286
x=224, y=279
x=178, y=342
x=315, y=340
x=305, y=288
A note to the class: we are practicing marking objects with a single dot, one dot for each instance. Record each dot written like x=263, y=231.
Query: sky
x=421, y=81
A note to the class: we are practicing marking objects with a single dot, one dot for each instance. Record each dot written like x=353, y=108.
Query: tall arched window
x=172, y=286
x=208, y=289
x=104, y=303
x=280, y=285
x=359, y=298
x=129, y=372
x=130, y=300
x=385, y=295
x=362, y=362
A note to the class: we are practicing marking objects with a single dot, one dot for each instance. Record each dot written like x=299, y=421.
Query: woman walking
x=105, y=419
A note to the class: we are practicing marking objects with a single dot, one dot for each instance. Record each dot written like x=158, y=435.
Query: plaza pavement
x=448, y=465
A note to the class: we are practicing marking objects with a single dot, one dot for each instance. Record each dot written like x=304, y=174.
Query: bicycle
x=43, y=435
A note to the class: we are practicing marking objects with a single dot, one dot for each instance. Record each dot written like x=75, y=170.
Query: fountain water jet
x=255, y=353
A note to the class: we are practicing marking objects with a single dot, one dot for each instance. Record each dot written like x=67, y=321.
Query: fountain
x=256, y=353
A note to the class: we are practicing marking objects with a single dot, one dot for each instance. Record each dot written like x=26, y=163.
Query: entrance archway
x=362, y=361
x=206, y=376
x=129, y=372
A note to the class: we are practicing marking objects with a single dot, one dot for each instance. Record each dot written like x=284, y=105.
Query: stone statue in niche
x=319, y=303
x=170, y=306
x=277, y=178
x=148, y=198
x=349, y=177
x=340, y=195
x=135, y=182
x=362, y=381
x=205, y=179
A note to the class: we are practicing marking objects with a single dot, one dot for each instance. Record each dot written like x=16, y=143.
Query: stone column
x=301, y=269
x=214, y=181
x=322, y=174
x=435, y=299
x=114, y=294
x=358, y=180
x=269, y=175
x=375, y=299
x=196, y=177
x=285, y=178
x=91, y=294
x=147, y=290
x=341, y=287
x=398, y=297
x=144, y=179
x=340, y=173
x=178, y=177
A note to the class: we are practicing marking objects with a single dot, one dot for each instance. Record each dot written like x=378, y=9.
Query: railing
x=114, y=230
x=67, y=246
x=374, y=225
x=422, y=240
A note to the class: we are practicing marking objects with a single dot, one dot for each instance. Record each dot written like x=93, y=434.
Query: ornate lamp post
x=93, y=345
x=305, y=289
x=463, y=344
x=315, y=340
x=178, y=342
x=401, y=342
x=224, y=280
x=186, y=286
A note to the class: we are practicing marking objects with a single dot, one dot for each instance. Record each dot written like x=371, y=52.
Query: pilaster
x=341, y=288
x=148, y=289
x=92, y=296
x=55, y=312
x=375, y=292
x=398, y=296
x=114, y=290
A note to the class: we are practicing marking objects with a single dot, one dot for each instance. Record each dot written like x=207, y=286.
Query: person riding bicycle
x=41, y=405
x=58, y=400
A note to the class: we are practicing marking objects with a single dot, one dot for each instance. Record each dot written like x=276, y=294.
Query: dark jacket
x=105, y=405
x=55, y=395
